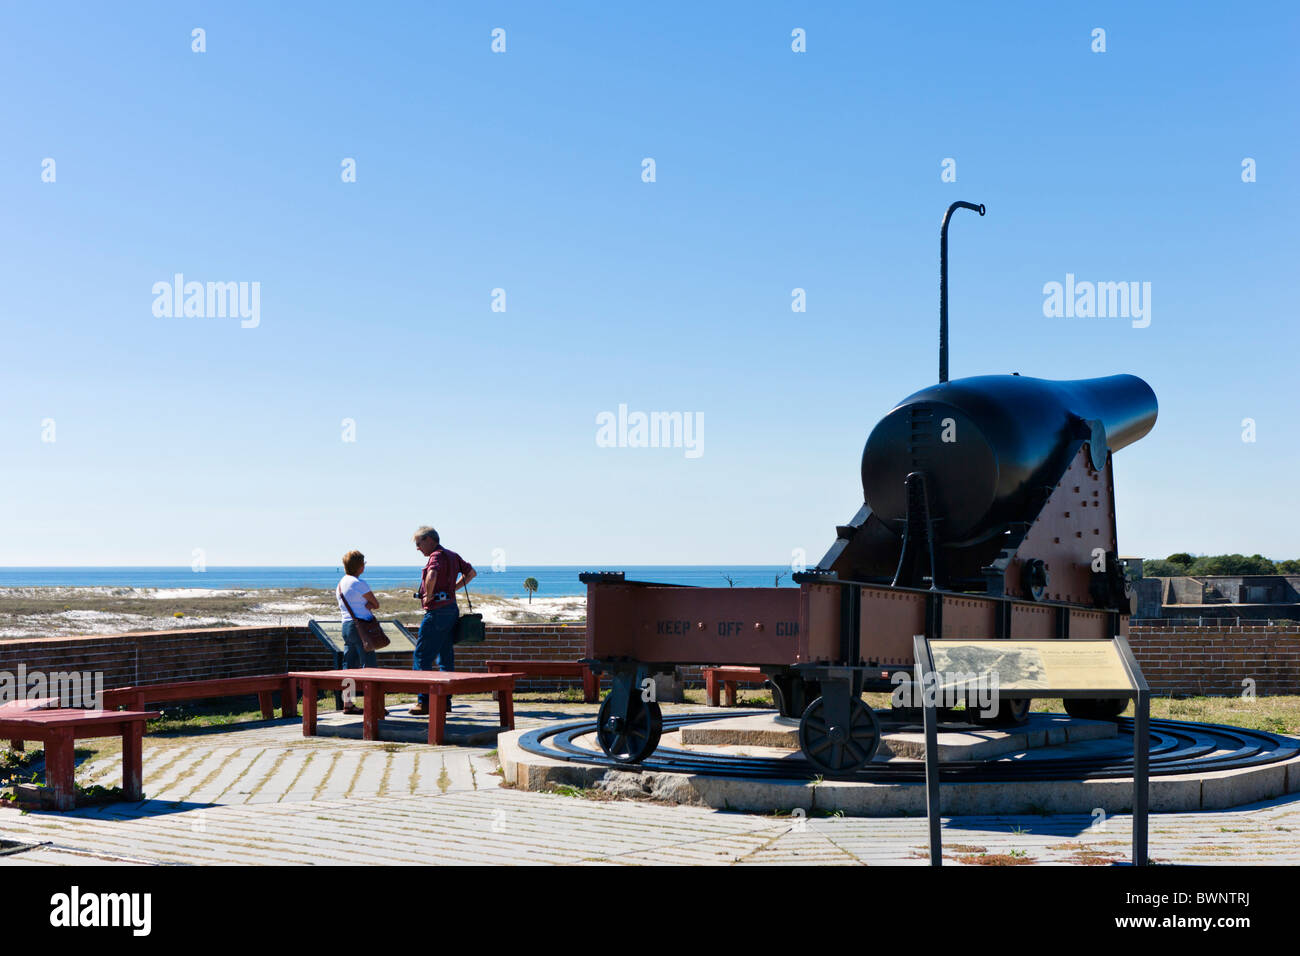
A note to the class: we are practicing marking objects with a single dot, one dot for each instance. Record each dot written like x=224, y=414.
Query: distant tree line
x=1183, y=563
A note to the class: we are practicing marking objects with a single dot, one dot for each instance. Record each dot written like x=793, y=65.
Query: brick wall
x=536, y=642
x=1188, y=660
x=156, y=657
x=1216, y=659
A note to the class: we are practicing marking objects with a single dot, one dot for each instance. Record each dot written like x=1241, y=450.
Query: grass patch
x=566, y=790
x=14, y=763
x=1011, y=858
x=1088, y=857
x=94, y=793
x=181, y=717
x=581, y=793
x=756, y=696
x=186, y=716
x=1277, y=714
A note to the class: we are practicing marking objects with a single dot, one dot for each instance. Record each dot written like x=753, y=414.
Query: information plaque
x=1098, y=670
x=330, y=633
x=1036, y=665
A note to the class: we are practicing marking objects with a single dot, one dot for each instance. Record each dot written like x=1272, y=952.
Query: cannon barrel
x=988, y=445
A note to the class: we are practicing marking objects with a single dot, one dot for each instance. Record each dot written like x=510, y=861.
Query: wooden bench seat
x=263, y=685
x=716, y=678
x=590, y=681
x=372, y=683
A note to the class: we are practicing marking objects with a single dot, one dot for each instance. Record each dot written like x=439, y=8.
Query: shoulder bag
x=369, y=630
x=469, y=627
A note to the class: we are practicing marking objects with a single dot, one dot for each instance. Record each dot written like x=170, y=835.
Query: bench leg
x=731, y=692
x=59, y=768
x=309, y=708
x=590, y=686
x=437, y=718
x=267, y=704
x=711, y=687
x=133, y=761
x=371, y=710
x=506, y=704
x=289, y=698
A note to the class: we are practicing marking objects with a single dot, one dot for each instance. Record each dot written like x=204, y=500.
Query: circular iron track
x=1177, y=747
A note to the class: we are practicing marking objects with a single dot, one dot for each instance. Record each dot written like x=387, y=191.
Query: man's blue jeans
x=434, y=643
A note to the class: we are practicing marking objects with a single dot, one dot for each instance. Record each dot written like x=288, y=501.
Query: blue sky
x=522, y=170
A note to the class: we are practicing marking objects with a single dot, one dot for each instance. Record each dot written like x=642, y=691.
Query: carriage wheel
x=630, y=738
x=839, y=749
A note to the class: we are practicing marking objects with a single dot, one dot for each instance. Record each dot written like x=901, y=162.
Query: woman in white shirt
x=353, y=593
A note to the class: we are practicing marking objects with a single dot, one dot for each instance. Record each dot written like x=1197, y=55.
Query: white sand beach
x=57, y=611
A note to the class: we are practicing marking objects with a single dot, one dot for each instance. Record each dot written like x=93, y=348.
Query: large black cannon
x=986, y=444
x=955, y=468
x=988, y=513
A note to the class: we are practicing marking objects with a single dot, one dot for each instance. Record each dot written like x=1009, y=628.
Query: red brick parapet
x=205, y=653
x=1214, y=659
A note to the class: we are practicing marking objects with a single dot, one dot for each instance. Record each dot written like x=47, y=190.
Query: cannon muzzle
x=989, y=445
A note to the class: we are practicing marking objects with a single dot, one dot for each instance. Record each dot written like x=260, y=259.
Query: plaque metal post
x=921, y=681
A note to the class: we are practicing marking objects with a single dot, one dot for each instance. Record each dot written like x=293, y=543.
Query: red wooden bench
x=374, y=682
x=263, y=685
x=23, y=706
x=590, y=681
x=727, y=678
x=58, y=729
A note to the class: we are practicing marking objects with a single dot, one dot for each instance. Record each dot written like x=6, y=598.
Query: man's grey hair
x=423, y=532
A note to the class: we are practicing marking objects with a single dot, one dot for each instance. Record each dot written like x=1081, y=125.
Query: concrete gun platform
x=770, y=731
x=758, y=777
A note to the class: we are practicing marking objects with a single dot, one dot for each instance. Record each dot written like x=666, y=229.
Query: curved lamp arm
x=943, y=283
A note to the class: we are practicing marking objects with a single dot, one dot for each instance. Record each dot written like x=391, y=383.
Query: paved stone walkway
x=261, y=793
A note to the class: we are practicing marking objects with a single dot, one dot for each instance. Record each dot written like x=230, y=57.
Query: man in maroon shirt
x=444, y=573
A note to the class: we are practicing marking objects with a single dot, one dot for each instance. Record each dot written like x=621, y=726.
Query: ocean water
x=552, y=580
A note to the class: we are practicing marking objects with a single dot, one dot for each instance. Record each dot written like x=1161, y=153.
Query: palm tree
x=530, y=585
